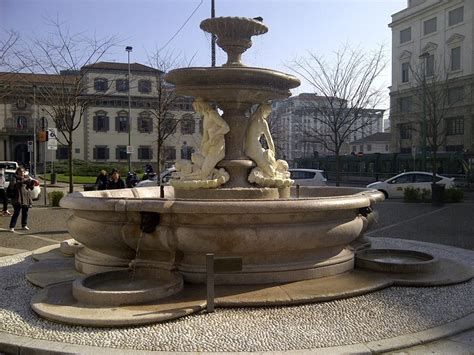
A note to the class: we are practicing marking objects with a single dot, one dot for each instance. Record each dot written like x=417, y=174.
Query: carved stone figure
x=269, y=171
x=201, y=170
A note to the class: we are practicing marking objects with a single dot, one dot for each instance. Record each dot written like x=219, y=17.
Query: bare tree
x=435, y=94
x=346, y=89
x=6, y=46
x=64, y=95
x=165, y=101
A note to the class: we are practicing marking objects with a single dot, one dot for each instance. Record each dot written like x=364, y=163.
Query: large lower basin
x=279, y=240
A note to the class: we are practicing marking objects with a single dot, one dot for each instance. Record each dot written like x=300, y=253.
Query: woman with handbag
x=21, y=200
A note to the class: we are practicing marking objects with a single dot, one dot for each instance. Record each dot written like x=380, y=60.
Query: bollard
x=210, y=282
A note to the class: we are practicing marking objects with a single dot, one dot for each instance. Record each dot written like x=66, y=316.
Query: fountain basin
x=395, y=260
x=126, y=287
x=279, y=240
x=232, y=84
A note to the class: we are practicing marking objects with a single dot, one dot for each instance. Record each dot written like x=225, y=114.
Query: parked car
x=165, y=178
x=393, y=187
x=308, y=177
x=10, y=165
x=35, y=193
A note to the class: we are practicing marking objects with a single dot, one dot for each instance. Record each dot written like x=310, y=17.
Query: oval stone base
x=125, y=287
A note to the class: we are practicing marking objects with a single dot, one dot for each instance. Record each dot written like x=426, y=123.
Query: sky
x=296, y=27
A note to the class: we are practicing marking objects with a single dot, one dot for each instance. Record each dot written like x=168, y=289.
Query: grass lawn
x=75, y=179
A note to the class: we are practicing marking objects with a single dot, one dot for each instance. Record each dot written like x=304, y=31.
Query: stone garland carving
x=201, y=171
x=269, y=171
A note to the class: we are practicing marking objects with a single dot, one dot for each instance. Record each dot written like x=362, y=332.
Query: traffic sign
x=30, y=146
x=53, y=144
x=129, y=149
x=52, y=134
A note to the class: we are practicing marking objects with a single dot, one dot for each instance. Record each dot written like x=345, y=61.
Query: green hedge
x=55, y=197
x=85, y=168
x=450, y=195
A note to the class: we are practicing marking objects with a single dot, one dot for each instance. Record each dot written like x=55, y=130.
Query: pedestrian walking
x=21, y=200
x=115, y=181
x=102, y=180
x=3, y=194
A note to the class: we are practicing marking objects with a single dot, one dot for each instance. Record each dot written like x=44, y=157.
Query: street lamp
x=129, y=148
x=33, y=170
x=424, y=56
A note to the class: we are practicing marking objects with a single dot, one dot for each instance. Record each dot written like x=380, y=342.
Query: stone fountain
x=233, y=199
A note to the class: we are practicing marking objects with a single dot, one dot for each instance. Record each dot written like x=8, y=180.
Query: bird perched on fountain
x=259, y=19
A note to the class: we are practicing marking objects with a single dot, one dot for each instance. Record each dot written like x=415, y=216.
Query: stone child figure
x=258, y=127
x=213, y=141
x=201, y=171
x=269, y=171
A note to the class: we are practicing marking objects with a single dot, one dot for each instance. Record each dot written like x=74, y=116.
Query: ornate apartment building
x=103, y=134
x=293, y=119
x=436, y=36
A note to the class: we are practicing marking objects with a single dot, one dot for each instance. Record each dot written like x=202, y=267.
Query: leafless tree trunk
x=431, y=87
x=345, y=88
x=65, y=96
x=164, y=102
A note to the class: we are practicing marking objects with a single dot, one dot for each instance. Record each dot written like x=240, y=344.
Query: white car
x=35, y=193
x=308, y=177
x=165, y=178
x=393, y=187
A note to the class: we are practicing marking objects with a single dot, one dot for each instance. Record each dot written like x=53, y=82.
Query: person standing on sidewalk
x=22, y=198
x=115, y=181
x=3, y=193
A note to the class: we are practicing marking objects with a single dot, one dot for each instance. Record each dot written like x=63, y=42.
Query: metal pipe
x=129, y=152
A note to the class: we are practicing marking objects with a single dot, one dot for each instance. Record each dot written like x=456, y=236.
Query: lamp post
x=33, y=171
x=423, y=57
x=129, y=123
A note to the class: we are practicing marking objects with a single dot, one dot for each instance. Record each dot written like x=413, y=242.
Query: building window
x=62, y=153
x=145, y=153
x=405, y=131
x=405, y=104
x=429, y=26
x=354, y=148
x=369, y=147
x=170, y=153
x=121, y=122
x=101, y=84
x=169, y=124
x=405, y=35
x=121, y=152
x=101, y=122
x=187, y=125
x=455, y=95
x=145, y=123
x=455, y=58
x=386, y=147
x=455, y=126
x=101, y=152
x=456, y=16
x=405, y=72
x=144, y=86
x=430, y=65
x=121, y=85
x=21, y=123
x=186, y=151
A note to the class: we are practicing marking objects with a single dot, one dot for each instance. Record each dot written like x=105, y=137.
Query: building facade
x=104, y=133
x=374, y=143
x=293, y=120
x=436, y=36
